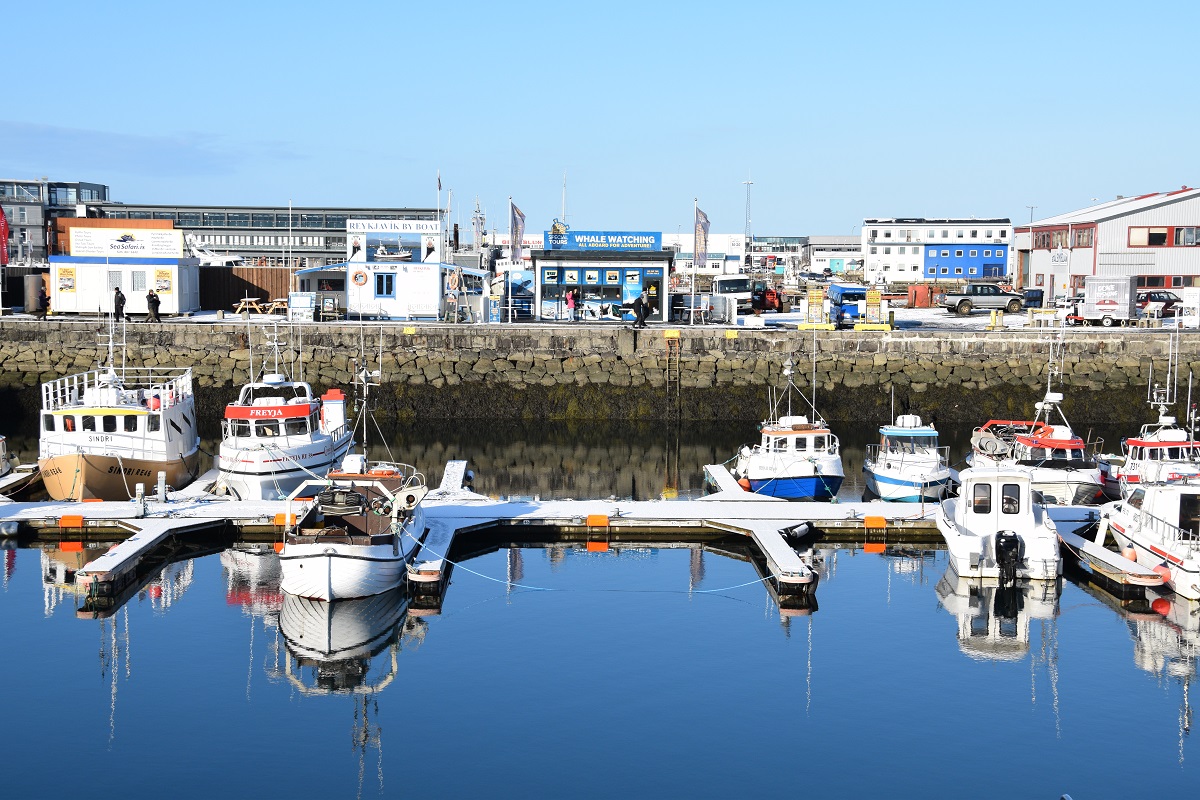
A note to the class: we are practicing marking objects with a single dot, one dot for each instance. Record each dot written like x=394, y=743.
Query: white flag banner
x=701, y=244
x=517, y=229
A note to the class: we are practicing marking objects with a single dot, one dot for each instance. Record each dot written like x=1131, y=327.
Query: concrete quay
x=536, y=371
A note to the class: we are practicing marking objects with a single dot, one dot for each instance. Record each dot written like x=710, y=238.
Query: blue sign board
x=650, y=241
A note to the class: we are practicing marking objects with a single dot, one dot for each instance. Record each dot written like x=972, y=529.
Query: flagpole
x=695, y=255
x=508, y=270
x=439, y=211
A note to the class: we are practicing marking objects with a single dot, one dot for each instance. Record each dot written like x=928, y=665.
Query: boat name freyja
x=140, y=473
x=266, y=412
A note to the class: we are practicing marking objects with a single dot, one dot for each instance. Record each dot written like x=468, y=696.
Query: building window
x=1184, y=237
x=1041, y=240
x=958, y=253
x=932, y=253
x=931, y=235
x=958, y=234
x=1147, y=237
x=874, y=234
x=385, y=284
x=974, y=234
x=945, y=254
x=987, y=253
x=958, y=270
x=874, y=250
x=945, y=234
x=887, y=251
x=987, y=234
x=974, y=253
x=887, y=234
x=1003, y=234
x=945, y=270
x=915, y=268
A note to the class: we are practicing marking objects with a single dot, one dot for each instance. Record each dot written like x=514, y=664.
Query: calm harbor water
x=556, y=672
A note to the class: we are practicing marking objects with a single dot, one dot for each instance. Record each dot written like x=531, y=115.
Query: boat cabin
x=996, y=500
x=908, y=435
x=1051, y=445
x=278, y=407
x=795, y=434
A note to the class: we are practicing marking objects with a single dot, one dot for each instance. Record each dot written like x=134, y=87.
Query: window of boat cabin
x=1010, y=499
x=801, y=443
x=818, y=443
x=89, y=423
x=1189, y=512
x=1153, y=453
x=153, y=422
x=48, y=422
x=266, y=427
x=109, y=423
x=296, y=426
x=1060, y=454
x=1037, y=453
x=1135, y=499
x=981, y=498
x=314, y=421
x=237, y=427
x=779, y=444
x=131, y=423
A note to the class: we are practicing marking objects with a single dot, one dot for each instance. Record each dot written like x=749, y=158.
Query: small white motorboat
x=1159, y=526
x=994, y=527
x=907, y=465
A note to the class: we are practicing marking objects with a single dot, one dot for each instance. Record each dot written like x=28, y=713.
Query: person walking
x=43, y=304
x=119, y=305
x=640, y=310
x=152, y=304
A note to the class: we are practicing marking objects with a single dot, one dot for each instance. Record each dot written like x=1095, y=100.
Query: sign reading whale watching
x=126, y=243
x=393, y=240
x=604, y=240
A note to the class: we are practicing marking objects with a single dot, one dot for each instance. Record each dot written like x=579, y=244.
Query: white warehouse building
x=1154, y=237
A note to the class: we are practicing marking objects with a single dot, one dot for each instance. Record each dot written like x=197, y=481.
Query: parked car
x=982, y=295
x=1169, y=301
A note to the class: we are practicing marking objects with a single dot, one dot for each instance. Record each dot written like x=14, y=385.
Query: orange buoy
x=1130, y=553
x=1161, y=606
x=1164, y=570
x=744, y=483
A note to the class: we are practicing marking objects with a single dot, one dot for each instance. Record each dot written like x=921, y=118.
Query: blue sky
x=835, y=111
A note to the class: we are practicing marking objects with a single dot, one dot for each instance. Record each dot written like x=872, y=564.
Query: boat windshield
x=906, y=444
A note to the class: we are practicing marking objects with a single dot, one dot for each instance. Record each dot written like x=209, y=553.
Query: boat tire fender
x=381, y=507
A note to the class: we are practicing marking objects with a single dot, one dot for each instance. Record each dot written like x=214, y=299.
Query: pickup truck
x=982, y=295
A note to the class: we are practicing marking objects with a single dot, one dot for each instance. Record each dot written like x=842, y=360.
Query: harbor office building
x=914, y=248
x=1154, y=237
x=134, y=259
x=608, y=268
x=393, y=269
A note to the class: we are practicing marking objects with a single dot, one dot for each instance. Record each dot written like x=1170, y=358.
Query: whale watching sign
x=604, y=240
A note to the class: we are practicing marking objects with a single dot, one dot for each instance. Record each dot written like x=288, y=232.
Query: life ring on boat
x=452, y=282
x=381, y=507
x=382, y=471
x=360, y=278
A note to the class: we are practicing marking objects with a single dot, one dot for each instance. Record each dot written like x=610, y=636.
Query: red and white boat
x=1161, y=442
x=276, y=435
x=1061, y=470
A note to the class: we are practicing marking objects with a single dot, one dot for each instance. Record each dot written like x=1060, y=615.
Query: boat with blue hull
x=907, y=466
x=798, y=457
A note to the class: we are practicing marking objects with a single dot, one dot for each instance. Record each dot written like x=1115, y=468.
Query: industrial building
x=916, y=248
x=1155, y=237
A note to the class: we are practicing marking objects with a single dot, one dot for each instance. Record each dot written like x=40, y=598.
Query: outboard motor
x=1008, y=556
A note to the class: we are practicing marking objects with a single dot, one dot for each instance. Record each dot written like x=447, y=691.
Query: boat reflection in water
x=994, y=620
x=252, y=576
x=350, y=647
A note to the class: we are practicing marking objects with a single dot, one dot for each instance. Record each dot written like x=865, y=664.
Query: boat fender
x=1164, y=571
x=1129, y=553
x=381, y=507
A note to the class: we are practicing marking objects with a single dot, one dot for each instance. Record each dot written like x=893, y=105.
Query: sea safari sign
x=126, y=243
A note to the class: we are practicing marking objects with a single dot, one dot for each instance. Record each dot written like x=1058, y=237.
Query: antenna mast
x=748, y=183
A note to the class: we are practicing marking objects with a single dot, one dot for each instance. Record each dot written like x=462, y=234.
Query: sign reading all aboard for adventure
x=604, y=240
x=126, y=243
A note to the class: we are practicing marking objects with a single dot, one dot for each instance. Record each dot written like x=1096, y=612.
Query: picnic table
x=247, y=304
x=277, y=306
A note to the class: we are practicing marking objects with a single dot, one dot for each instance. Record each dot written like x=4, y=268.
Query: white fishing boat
x=798, y=457
x=993, y=618
x=105, y=431
x=357, y=535
x=1158, y=526
x=14, y=476
x=907, y=465
x=996, y=528
x=277, y=435
x=1158, y=442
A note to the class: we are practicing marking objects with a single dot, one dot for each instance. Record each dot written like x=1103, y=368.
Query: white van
x=736, y=287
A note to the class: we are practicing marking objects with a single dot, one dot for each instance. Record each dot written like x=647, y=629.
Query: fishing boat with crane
x=277, y=435
x=798, y=457
x=1158, y=442
x=1059, y=463
x=356, y=533
x=107, y=430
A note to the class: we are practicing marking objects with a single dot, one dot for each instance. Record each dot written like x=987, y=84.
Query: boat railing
x=131, y=384
x=935, y=457
x=1167, y=531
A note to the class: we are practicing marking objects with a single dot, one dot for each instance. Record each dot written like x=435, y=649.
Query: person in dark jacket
x=152, y=304
x=43, y=304
x=119, y=304
x=640, y=310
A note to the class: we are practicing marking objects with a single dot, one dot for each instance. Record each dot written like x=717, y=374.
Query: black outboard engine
x=1008, y=556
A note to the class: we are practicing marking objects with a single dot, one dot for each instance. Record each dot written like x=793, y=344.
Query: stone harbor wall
x=576, y=372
